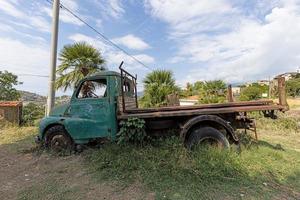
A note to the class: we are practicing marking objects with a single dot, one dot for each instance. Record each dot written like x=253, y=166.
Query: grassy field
x=269, y=169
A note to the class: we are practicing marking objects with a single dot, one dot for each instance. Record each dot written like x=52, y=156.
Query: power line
x=103, y=36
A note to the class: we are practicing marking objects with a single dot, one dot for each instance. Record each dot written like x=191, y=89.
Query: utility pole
x=55, y=20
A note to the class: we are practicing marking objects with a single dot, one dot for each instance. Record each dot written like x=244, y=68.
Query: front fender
x=47, y=122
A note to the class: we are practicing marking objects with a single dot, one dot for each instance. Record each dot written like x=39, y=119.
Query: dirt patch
x=30, y=176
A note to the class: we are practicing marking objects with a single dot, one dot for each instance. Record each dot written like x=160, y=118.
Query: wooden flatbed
x=128, y=105
x=231, y=107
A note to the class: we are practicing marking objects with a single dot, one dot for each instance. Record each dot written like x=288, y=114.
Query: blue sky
x=233, y=40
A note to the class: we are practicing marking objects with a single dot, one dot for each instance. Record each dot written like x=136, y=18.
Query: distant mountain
x=29, y=97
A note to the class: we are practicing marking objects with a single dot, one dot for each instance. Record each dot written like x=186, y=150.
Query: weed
x=132, y=131
x=174, y=173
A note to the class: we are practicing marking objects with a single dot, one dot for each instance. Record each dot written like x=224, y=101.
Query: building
x=236, y=91
x=263, y=82
x=287, y=75
x=11, y=111
x=189, y=101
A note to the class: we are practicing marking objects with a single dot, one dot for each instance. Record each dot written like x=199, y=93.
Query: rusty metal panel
x=282, y=93
x=202, y=111
x=219, y=105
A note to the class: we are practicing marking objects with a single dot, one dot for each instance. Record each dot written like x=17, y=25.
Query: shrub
x=31, y=113
x=253, y=92
x=293, y=87
x=213, y=92
x=132, y=131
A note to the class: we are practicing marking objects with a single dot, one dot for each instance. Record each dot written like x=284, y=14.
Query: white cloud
x=9, y=8
x=99, y=23
x=223, y=40
x=6, y=28
x=132, y=42
x=64, y=16
x=145, y=58
x=72, y=4
x=40, y=23
x=34, y=21
x=22, y=58
x=110, y=8
x=113, y=56
x=190, y=16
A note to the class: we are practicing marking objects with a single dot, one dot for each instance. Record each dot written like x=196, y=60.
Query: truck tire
x=212, y=135
x=57, y=139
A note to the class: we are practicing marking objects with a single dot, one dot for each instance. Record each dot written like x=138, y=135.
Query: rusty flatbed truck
x=102, y=100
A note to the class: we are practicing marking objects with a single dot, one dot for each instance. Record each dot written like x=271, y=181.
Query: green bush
x=253, y=92
x=132, y=131
x=31, y=113
x=158, y=85
x=212, y=92
x=293, y=87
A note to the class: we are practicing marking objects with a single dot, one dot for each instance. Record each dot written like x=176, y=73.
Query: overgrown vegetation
x=293, y=87
x=77, y=61
x=208, y=91
x=172, y=172
x=132, y=131
x=192, y=89
x=8, y=81
x=253, y=92
x=157, y=86
x=266, y=169
x=212, y=92
x=32, y=113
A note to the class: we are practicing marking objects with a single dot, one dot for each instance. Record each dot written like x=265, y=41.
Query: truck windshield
x=93, y=89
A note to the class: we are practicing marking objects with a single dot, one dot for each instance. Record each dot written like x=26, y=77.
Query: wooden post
x=282, y=93
x=229, y=94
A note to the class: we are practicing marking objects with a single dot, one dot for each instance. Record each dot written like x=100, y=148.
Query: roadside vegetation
x=8, y=81
x=163, y=168
x=158, y=168
x=267, y=169
x=157, y=86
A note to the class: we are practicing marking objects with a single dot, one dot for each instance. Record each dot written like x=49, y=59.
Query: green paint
x=88, y=118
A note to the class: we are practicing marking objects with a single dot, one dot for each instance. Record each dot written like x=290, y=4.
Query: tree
x=253, y=92
x=192, y=89
x=293, y=87
x=157, y=86
x=7, y=83
x=77, y=61
x=212, y=92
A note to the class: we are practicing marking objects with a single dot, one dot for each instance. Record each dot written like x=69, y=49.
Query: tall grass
x=174, y=173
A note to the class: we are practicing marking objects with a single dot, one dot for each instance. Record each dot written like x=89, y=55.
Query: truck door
x=90, y=111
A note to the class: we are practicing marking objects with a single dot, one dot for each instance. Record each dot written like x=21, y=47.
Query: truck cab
x=91, y=112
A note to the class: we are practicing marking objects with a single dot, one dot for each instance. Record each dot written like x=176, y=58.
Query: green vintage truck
x=102, y=100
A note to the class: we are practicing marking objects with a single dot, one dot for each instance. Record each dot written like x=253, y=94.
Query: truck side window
x=93, y=89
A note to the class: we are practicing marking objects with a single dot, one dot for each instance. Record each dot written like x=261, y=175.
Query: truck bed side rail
x=128, y=89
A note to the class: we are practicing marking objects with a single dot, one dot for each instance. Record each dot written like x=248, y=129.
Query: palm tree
x=77, y=61
x=157, y=86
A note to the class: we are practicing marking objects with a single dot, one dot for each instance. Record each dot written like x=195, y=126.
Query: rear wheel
x=209, y=136
x=57, y=139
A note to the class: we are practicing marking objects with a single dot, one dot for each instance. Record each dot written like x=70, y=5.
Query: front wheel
x=207, y=135
x=57, y=139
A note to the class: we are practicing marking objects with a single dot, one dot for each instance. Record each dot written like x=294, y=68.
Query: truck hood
x=59, y=110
